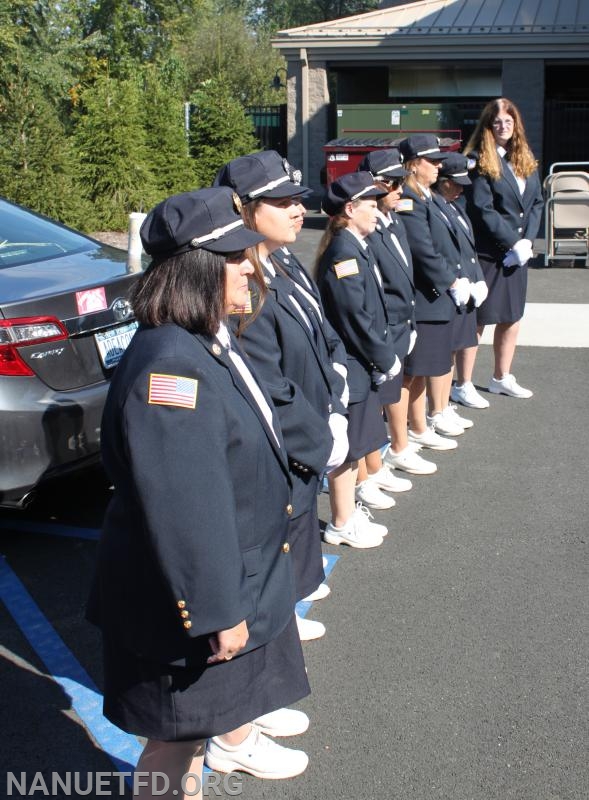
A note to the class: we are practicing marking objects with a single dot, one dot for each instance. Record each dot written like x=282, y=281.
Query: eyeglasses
x=392, y=183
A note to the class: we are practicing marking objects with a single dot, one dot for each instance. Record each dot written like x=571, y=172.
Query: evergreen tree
x=220, y=129
x=36, y=164
x=224, y=47
x=167, y=141
x=110, y=140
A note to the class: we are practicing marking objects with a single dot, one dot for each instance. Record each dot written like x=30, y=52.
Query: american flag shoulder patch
x=345, y=268
x=405, y=205
x=172, y=390
x=247, y=308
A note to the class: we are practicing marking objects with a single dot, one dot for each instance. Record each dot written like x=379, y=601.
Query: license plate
x=113, y=343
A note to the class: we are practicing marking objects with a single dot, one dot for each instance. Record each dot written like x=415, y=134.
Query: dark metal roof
x=446, y=17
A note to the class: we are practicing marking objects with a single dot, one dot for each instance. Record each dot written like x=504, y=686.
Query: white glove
x=523, y=251
x=460, y=292
x=479, y=292
x=338, y=425
x=381, y=377
x=342, y=370
x=395, y=369
x=412, y=340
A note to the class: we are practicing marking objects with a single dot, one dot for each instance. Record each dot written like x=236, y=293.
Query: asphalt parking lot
x=455, y=660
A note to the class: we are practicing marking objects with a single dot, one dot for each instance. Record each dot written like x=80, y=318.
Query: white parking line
x=551, y=325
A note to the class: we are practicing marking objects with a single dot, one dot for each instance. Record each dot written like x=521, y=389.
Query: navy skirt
x=507, y=292
x=464, y=329
x=366, y=428
x=304, y=536
x=171, y=704
x=432, y=354
x=389, y=392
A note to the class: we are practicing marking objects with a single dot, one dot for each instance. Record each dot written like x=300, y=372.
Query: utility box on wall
x=363, y=121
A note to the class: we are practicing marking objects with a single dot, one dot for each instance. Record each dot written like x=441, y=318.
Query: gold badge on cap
x=237, y=205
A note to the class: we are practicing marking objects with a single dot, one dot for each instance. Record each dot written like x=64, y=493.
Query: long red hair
x=482, y=142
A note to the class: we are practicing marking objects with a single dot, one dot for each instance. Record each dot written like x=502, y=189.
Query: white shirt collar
x=268, y=266
x=384, y=218
x=426, y=191
x=358, y=238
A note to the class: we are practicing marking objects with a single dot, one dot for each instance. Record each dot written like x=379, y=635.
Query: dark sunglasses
x=392, y=183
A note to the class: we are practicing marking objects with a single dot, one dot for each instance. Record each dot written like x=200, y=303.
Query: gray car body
x=50, y=421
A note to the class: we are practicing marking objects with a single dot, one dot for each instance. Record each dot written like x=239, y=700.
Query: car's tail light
x=15, y=333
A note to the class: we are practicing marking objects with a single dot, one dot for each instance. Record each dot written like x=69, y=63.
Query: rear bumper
x=44, y=433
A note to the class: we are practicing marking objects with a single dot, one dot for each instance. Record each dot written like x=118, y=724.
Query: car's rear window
x=26, y=238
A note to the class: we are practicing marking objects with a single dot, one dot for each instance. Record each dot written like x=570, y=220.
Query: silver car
x=65, y=321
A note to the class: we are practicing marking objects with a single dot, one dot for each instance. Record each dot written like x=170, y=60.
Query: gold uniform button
x=185, y=614
x=181, y=603
x=289, y=509
x=187, y=624
x=286, y=547
x=216, y=349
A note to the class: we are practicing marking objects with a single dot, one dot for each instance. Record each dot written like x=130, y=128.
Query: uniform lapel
x=464, y=226
x=510, y=180
x=368, y=259
x=386, y=234
x=221, y=355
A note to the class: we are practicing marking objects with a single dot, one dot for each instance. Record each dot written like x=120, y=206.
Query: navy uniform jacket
x=354, y=303
x=194, y=537
x=397, y=279
x=285, y=355
x=471, y=268
x=500, y=215
x=295, y=270
x=436, y=257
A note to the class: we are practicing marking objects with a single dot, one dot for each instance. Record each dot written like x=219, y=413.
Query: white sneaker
x=450, y=413
x=357, y=532
x=467, y=395
x=410, y=461
x=385, y=480
x=365, y=519
x=320, y=593
x=370, y=495
x=429, y=438
x=258, y=755
x=283, y=722
x=509, y=386
x=309, y=629
x=444, y=425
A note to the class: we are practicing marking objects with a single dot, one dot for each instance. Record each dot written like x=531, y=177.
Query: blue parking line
x=53, y=529
x=122, y=748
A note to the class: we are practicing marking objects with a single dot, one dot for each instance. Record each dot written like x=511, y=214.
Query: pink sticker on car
x=91, y=300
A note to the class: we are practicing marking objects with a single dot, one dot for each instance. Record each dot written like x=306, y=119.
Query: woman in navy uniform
x=452, y=180
x=505, y=206
x=439, y=290
x=353, y=298
x=285, y=342
x=194, y=591
x=393, y=256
